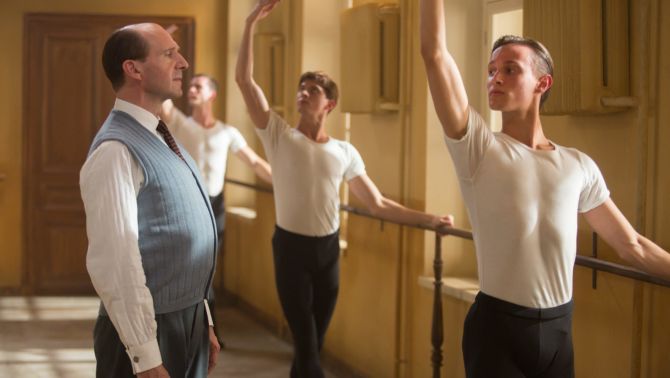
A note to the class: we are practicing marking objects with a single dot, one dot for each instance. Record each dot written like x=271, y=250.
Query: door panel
x=67, y=98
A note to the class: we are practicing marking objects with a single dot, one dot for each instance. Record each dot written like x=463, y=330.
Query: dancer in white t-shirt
x=308, y=168
x=523, y=193
x=208, y=140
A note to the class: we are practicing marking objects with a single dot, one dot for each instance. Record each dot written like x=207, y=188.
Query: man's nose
x=182, y=64
x=493, y=81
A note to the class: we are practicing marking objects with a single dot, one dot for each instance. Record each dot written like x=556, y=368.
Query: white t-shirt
x=306, y=177
x=208, y=147
x=523, y=206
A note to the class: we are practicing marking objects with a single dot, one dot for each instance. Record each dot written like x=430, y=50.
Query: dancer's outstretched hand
x=262, y=9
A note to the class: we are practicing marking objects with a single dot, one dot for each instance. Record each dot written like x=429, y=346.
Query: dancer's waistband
x=522, y=311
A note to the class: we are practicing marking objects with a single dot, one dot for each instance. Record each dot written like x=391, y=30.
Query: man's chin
x=495, y=106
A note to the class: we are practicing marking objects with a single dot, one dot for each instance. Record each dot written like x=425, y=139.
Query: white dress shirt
x=110, y=181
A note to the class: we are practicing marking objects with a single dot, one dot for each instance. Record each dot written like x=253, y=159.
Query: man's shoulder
x=275, y=128
x=571, y=152
x=188, y=122
x=119, y=125
x=347, y=147
x=222, y=126
x=578, y=158
x=119, y=117
x=341, y=143
x=277, y=121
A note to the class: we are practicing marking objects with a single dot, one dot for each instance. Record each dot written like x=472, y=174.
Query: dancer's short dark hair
x=213, y=84
x=543, y=63
x=324, y=81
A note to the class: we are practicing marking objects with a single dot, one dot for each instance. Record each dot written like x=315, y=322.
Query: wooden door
x=66, y=98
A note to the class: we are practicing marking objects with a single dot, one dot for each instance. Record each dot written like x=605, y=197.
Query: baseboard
x=6, y=291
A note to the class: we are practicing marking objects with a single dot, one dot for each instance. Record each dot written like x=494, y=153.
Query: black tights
x=502, y=339
x=307, y=277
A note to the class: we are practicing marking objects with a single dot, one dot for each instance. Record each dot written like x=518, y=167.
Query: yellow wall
x=234, y=104
x=618, y=328
x=656, y=334
x=661, y=216
x=442, y=193
x=248, y=263
x=210, y=32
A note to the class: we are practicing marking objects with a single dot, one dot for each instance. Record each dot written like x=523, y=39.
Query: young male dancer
x=308, y=167
x=523, y=193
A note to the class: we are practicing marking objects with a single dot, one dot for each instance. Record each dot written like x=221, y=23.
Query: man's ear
x=331, y=105
x=544, y=83
x=131, y=68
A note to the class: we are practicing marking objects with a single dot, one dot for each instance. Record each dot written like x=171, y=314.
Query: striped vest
x=177, y=231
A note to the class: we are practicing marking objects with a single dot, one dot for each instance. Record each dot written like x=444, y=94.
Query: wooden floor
x=52, y=337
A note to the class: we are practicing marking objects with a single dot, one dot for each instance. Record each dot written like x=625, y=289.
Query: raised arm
x=634, y=248
x=378, y=205
x=260, y=166
x=444, y=79
x=257, y=104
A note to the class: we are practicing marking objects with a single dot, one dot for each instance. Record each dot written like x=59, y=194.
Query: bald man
x=151, y=229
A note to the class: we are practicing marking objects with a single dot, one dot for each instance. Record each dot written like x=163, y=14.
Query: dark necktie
x=163, y=130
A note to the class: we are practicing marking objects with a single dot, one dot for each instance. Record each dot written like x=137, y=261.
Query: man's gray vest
x=177, y=231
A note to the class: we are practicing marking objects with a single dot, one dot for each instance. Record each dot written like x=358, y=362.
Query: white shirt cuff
x=209, y=314
x=144, y=357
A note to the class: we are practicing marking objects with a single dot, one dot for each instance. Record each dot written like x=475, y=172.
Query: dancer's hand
x=262, y=9
x=441, y=224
